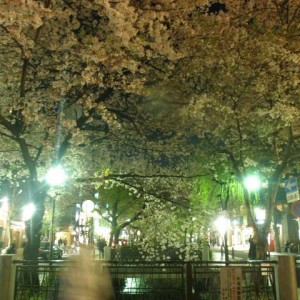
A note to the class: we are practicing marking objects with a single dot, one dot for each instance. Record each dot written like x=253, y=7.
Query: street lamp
x=252, y=183
x=88, y=206
x=56, y=176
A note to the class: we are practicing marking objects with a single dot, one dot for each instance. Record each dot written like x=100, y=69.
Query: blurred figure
x=86, y=281
x=101, y=244
x=11, y=249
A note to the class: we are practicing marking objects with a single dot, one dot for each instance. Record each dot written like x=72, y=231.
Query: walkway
x=239, y=253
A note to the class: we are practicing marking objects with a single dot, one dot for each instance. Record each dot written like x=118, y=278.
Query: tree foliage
x=147, y=88
x=169, y=232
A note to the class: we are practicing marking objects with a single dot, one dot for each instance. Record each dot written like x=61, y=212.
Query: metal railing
x=38, y=281
x=149, y=280
x=153, y=280
x=257, y=280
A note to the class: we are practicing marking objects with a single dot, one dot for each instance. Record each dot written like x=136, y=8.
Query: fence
x=157, y=280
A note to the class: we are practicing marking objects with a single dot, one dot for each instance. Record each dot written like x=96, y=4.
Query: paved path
x=234, y=254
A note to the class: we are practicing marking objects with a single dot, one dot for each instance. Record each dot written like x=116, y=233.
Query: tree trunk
x=34, y=225
x=112, y=237
x=261, y=243
x=33, y=233
x=277, y=240
x=226, y=247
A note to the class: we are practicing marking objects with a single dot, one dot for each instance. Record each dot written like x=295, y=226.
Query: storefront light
x=222, y=224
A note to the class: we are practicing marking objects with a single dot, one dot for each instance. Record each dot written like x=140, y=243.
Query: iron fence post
x=189, y=281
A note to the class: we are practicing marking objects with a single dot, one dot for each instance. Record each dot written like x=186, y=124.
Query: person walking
x=101, y=244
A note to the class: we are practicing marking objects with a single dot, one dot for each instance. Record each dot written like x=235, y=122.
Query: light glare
x=260, y=215
x=222, y=223
x=252, y=183
x=88, y=206
x=28, y=211
x=56, y=176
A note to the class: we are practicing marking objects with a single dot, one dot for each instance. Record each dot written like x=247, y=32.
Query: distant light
x=222, y=224
x=4, y=205
x=252, y=183
x=88, y=206
x=235, y=222
x=4, y=199
x=260, y=215
x=56, y=176
x=28, y=211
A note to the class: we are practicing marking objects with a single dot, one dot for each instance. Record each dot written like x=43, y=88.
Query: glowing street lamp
x=252, y=183
x=88, y=206
x=56, y=176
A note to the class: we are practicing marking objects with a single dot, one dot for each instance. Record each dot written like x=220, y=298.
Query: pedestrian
x=11, y=249
x=65, y=243
x=252, y=248
x=101, y=244
x=60, y=242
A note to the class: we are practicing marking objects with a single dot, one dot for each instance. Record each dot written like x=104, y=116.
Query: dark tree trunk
x=261, y=244
x=33, y=233
x=34, y=225
x=226, y=248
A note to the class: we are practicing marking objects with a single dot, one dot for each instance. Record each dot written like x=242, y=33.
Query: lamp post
x=252, y=183
x=56, y=176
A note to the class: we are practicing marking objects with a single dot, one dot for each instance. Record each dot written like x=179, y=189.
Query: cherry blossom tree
x=247, y=107
x=163, y=80
x=64, y=64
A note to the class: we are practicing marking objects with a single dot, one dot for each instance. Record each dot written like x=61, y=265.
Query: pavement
x=241, y=253
x=235, y=253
